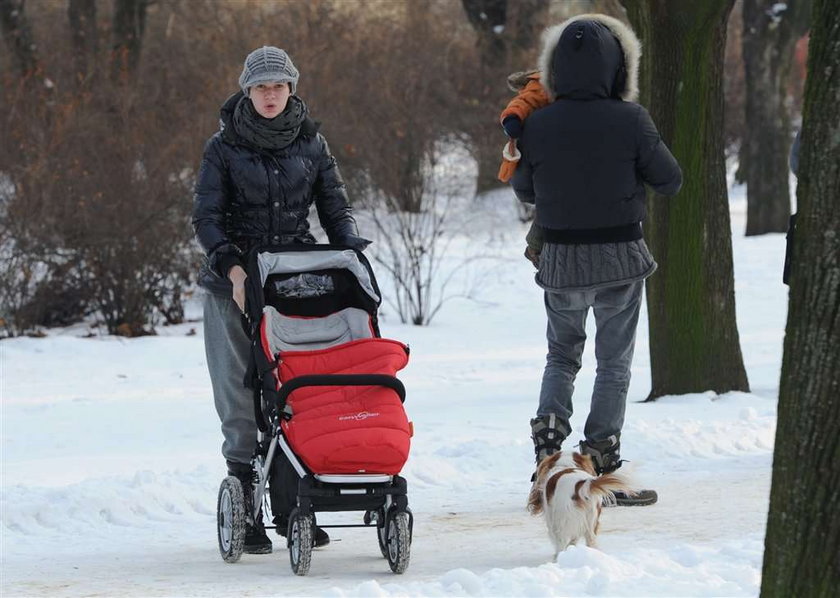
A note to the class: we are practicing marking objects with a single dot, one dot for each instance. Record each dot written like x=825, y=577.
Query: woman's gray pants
x=616, y=316
x=227, y=347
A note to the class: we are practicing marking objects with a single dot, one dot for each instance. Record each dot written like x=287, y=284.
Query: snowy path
x=110, y=466
x=152, y=534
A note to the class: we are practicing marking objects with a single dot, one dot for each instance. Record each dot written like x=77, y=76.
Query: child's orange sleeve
x=532, y=97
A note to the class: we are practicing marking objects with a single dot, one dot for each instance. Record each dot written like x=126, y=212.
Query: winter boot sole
x=259, y=549
x=642, y=498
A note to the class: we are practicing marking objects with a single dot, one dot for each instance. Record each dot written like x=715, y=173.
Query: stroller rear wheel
x=230, y=519
x=398, y=541
x=301, y=539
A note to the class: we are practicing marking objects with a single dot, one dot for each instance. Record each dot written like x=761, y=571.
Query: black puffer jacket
x=586, y=156
x=245, y=196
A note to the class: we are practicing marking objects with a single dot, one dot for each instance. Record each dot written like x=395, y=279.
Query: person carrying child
x=530, y=96
x=585, y=159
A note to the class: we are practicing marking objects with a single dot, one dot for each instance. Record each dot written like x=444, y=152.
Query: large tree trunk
x=802, y=546
x=18, y=34
x=771, y=30
x=506, y=33
x=81, y=15
x=128, y=24
x=694, y=343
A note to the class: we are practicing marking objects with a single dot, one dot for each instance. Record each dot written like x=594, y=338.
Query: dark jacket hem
x=591, y=236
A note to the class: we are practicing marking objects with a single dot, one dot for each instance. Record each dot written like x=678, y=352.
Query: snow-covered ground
x=111, y=465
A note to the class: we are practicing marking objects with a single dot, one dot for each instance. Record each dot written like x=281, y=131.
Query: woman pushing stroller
x=259, y=175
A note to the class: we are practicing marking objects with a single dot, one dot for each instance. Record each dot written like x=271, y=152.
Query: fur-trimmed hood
x=598, y=57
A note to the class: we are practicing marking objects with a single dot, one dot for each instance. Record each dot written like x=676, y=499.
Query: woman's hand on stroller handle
x=354, y=242
x=237, y=277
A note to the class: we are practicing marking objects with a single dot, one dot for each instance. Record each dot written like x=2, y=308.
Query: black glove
x=354, y=242
x=513, y=127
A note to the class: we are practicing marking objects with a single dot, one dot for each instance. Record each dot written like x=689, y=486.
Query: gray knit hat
x=268, y=64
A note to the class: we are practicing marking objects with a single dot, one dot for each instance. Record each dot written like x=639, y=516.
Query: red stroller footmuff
x=319, y=324
x=348, y=429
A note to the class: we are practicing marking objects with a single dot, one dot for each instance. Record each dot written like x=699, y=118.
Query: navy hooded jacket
x=587, y=156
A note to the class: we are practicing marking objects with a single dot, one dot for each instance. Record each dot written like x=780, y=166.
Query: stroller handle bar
x=340, y=380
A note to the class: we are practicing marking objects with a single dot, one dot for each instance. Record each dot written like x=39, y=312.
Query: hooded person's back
x=587, y=155
x=585, y=160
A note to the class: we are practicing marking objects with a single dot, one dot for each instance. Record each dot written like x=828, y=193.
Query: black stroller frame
x=383, y=498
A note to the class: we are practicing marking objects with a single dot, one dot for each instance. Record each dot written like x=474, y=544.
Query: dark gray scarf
x=269, y=134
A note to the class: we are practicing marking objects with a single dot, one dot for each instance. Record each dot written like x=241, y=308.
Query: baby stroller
x=333, y=434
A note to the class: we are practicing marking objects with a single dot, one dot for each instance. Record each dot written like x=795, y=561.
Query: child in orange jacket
x=530, y=96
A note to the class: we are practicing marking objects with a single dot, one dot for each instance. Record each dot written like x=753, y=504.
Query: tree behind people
x=802, y=546
x=506, y=33
x=771, y=30
x=694, y=343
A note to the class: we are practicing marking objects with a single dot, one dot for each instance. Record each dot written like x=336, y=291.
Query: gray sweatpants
x=616, y=316
x=227, y=347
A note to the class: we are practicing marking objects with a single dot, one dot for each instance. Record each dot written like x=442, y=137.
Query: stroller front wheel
x=301, y=540
x=398, y=541
x=230, y=519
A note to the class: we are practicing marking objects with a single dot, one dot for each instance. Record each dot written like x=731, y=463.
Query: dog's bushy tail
x=535, y=505
x=601, y=487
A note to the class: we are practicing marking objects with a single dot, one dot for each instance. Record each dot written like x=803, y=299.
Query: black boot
x=281, y=522
x=256, y=540
x=548, y=435
x=606, y=459
x=604, y=453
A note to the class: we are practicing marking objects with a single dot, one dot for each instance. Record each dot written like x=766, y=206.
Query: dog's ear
x=535, y=506
x=585, y=463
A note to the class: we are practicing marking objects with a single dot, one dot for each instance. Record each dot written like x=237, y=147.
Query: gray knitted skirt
x=587, y=267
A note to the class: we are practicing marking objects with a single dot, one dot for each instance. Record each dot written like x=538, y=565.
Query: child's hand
x=512, y=126
x=533, y=257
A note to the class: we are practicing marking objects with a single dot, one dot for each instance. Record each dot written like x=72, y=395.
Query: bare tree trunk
x=694, y=343
x=771, y=30
x=128, y=24
x=488, y=18
x=81, y=15
x=802, y=546
x=18, y=34
x=507, y=32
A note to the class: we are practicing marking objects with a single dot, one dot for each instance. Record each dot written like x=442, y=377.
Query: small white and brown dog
x=569, y=492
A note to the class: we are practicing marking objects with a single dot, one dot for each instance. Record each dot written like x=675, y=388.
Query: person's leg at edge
x=566, y=335
x=226, y=346
x=616, y=317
